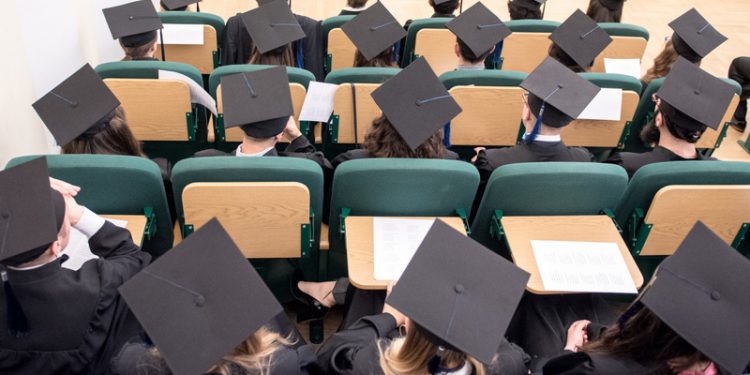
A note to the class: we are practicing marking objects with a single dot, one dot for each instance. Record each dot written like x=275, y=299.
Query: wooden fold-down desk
x=521, y=230
x=136, y=225
x=359, y=248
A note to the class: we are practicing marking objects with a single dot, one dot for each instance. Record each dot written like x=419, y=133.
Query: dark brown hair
x=383, y=60
x=647, y=340
x=137, y=53
x=383, y=141
x=673, y=119
x=558, y=54
x=468, y=55
x=600, y=13
x=447, y=7
x=113, y=138
x=356, y=3
x=280, y=56
x=519, y=12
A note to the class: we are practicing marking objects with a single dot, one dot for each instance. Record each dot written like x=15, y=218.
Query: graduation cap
x=462, y=294
x=479, y=28
x=556, y=94
x=700, y=292
x=416, y=103
x=438, y=2
x=700, y=98
x=374, y=30
x=260, y=102
x=135, y=23
x=79, y=104
x=200, y=300
x=272, y=25
x=612, y=4
x=694, y=37
x=179, y=4
x=581, y=38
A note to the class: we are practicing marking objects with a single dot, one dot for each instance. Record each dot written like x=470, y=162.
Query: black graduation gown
x=355, y=351
x=364, y=154
x=489, y=160
x=632, y=161
x=739, y=71
x=570, y=363
x=348, y=12
x=237, y=46
x=78, y=320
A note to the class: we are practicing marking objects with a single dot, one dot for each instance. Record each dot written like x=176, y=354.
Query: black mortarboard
x=479, y=28
x=696, y=38
x=612, y=4
x=701, y=293
x=416, y=103
x=135, y=23
x=374, y=30
x=272, y=25
x=462, y=294
x=260, y=101
x=177, y=4
x=200, y=300
x=581, y=38
x=438, y=2
x=79, y=103
x=529, y=4
x=264, y=2
x=701, y=97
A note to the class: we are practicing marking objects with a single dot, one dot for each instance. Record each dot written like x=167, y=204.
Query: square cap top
x=581, y=38
x=696, y=93
x=700, y=292
x=27, y=212
x=461, y=293
x=131, y=19
x=79, y=103
x=479, y=28
x=200, y=300
x=695, y=31
x=272, y=25
x=252, y=98
x=560, y=88
x=416, y=103
x=374, y=30
x=177, y=4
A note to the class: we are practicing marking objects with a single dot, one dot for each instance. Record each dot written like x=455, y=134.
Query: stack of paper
x=395, y=241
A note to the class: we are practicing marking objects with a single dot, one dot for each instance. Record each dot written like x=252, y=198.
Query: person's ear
x=457, y=50
x=56, y=248
x=526, y=115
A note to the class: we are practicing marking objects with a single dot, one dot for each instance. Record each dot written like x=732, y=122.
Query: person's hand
x=63, y=187
x=476, y=153
x=388, y=309
x=577, y=336
x=73, y=210
x=291, y=131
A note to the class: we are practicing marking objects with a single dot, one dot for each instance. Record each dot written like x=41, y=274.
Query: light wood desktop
x=136, y=225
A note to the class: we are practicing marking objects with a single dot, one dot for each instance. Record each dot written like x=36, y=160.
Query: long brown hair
x=112, y=138
x=600, y=13
x=383, y=141
x=647, y=340
x=412, y=354
x=662, y=63
x=383, y=60
x=280, y=56
x=137, y=53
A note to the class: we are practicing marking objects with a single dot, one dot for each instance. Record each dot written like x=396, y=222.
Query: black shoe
x=313, y=309
x=738, y=126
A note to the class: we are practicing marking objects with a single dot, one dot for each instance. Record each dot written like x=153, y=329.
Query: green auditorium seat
x=117, y=185
x=527, y=47
x=205, y=57
x=628, y=42
x=395, y=187
x=339, y=49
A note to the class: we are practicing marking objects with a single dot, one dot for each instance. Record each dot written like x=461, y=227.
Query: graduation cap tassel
x=461, y=7
x=18, y=325
x=537, y=126
x=198, y=7
x=544, y=7
x=161, y=40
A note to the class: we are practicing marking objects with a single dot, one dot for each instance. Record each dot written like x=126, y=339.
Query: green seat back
x=146, y=70
x=551, y=188
x=331, y=23
x=296, y=75
x=361, y=75
x=613, y=81
x=195, y=18
x=265, y=169
x=411, y=36
x=624, y=29
x=500, y=78
x=116, y=185
x=396, y=187
x=532, y=26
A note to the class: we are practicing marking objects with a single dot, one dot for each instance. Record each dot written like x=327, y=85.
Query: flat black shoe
x=738, y=126
x=313, y=309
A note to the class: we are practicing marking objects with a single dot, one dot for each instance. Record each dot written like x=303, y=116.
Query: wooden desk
x=136, y=225
x=520, y=230
x=359, y=248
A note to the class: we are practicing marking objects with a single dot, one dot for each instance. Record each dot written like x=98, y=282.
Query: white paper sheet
x=182, y=34
x=628, y=67
x=78, y=250
x=607, y=105
x=318, y=105
x=394, y=243
x=197, y=93
x=596, y=267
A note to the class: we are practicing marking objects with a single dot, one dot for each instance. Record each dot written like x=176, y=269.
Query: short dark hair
x=600, y=13
x=382, y=60
x=518, y=12
x=552, y=116
x=447, y=7
x=468, y=55
x=356, y=3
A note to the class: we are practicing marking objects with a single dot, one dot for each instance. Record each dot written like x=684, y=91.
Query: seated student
x=477, y=31
x=441, y=9
x=138, y=39
x=691, y=319
x=689, y=101
x=687, y=41
x=56, y=320
x=556, y=96
x=454, y=322
x=525, y=9
x=272, y=47
x=577, y=42
x=200, y=287
x=374, y=32
x=605, y=10
x=408, y=131
x=739, y=71
x=353, y=7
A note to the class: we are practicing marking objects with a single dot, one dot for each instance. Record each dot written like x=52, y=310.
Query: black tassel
x=18, y=325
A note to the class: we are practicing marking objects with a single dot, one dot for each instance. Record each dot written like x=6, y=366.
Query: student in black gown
x=605, y=10
x=478, y=31
x=353, y=7
x=199, y=288
x=137, y=39
x=739, y=71
x=690, y=320
x=689, y=101
x=375, y=33
x=56, y=320
x=577, y=42
x=454, y=321
x=441, y=9
x=525, y=9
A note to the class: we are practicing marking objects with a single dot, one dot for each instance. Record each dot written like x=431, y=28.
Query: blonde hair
x=412, y=355
x=662, y=63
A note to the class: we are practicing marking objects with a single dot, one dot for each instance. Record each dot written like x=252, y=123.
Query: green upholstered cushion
x=146, y=69
x=361, y=75
x=296, y=75
x=331, y=23
x=532, y=26
x=614, y=81
x=411, y=36
x=482, y=78
x=624, y=29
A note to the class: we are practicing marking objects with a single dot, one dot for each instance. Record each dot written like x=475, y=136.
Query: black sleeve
x=569, y=363
x=121, y=258
x=484, y=166
x=339, y=352
x=300, y=144
x=229, y=47
x=313, y=46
